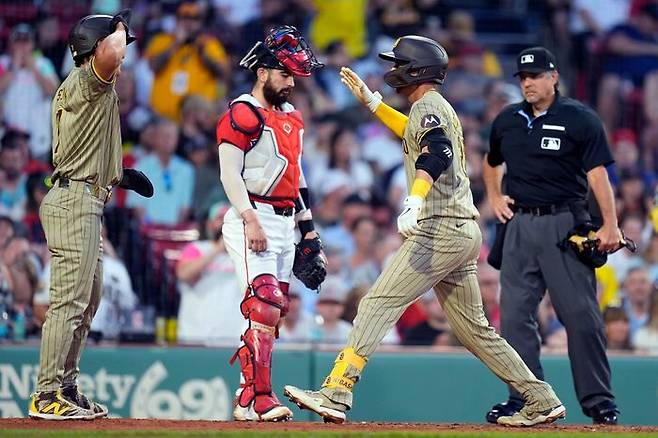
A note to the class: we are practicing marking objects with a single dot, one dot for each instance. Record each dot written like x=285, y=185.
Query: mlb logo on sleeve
x=430, y=121
x=550, y=143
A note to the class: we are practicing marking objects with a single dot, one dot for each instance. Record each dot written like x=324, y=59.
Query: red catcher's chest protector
x=272, y=162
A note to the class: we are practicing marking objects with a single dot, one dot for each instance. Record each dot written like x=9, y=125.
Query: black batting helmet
x=417, y=59
x=90, y=29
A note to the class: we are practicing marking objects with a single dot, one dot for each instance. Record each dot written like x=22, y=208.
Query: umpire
x=555, y=150
x=87, y=158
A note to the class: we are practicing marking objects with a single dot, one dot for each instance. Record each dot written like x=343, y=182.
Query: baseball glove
x=136, y=181
x=582, y=239
x=310, y=264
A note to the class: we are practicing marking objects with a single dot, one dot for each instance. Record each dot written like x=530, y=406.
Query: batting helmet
x=417, y=59
x=284, y=48
x=86, y=33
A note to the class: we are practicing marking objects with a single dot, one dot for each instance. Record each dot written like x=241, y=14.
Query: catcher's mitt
x=310, y=264
x=582, y=239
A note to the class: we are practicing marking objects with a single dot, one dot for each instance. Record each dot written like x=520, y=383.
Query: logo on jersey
x=550, y=143
x=430, y=121
x=447, y=151
x=287, y=128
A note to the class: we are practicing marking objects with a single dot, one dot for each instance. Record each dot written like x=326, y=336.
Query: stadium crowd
x=166, y=270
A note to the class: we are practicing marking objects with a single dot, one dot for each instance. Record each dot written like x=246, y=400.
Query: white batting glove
x=359, y=89
x=408, y=219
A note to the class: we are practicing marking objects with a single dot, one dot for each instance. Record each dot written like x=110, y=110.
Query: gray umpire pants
x=533, y=263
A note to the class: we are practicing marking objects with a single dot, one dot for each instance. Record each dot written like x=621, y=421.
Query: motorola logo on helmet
x=284, y=48
x=417, y=60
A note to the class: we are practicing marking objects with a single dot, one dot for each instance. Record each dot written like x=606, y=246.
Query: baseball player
x=260, y=147
x=441, y=246
x=87, y=160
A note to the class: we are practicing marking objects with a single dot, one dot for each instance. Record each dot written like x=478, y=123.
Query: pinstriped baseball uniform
x=442, y=255
x=87, y=153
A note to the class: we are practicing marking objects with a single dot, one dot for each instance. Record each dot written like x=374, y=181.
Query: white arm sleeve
x=231, y=162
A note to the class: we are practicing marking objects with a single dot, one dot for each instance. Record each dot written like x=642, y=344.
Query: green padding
x=199, y=383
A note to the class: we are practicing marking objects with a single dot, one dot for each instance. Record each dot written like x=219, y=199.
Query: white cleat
x=314, y=401
x=274, y=415
x=522, y=419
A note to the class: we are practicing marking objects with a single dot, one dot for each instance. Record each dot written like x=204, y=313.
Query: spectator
x=329, y=328
x=336, y=56
x=490, y=290
x=362, y=266
x=651, y=258
x=637, y=292
x=617, y=329
x=353, y=207
x=624, y=260
x=194, y=138
x=13, y=180
x=210, y=296
x=37, y=187
x=185, y=62
x=340, y=20
x=48, y=39
x=632, y=57
x=435, y=330
x=646, y=338
x=298, y=324
x=20, y=269
x=27, y=85
x=172, y=177
x=118, y=299
x=133, y=116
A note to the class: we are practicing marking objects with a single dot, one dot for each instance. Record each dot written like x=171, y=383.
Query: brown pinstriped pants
x=71, y=218
x=442, y=256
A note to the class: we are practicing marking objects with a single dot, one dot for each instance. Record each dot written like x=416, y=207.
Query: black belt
x=542, y=210
x=102, y=193
x=281, y=211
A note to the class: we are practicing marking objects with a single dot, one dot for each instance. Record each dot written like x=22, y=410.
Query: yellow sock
x=338, y=377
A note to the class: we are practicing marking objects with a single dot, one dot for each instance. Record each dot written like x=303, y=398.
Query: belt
x=98, y=192
x=542, y=210
x=281, y=211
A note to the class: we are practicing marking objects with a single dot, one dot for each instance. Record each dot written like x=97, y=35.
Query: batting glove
x=408, y=219
x=360, y=90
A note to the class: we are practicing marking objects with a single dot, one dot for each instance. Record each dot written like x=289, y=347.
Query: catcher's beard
x=274, y=97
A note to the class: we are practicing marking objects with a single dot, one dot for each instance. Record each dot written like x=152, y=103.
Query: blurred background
x=177, y=80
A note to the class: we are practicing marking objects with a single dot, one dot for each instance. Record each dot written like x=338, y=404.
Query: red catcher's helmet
x=284, y=48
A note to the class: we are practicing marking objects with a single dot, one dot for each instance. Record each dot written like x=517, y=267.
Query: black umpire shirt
x=548, y=156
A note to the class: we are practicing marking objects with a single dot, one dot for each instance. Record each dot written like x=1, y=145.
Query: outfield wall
x=198, y=383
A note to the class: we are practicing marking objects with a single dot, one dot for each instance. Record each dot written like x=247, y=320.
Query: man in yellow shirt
x=185, y=62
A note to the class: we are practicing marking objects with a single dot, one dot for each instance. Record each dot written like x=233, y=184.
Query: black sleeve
x=595, y=150
x=495, y=156
x=439, y=155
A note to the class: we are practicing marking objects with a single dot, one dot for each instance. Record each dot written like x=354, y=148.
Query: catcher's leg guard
x=340, y=382
x=262, y=307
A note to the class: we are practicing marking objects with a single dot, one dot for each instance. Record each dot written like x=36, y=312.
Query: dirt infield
x=187, y=425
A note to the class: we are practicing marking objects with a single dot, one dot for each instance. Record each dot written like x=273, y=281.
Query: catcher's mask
x=89, y=30
x=284, y=48
x=417, y=60
x=582, y=239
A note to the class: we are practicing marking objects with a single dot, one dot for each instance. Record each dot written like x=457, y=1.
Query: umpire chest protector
x=272, y=159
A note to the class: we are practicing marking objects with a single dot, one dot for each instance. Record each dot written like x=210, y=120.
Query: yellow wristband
x=420, y=188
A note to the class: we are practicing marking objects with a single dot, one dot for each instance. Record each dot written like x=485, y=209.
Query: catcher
x=260, y=145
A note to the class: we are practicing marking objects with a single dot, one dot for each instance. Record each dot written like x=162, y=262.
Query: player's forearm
x=493, y=178
x=391, y=118
x=231, y=161
x=600, y=184
x=112, y=49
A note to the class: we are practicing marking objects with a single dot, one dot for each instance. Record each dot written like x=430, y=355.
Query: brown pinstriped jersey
x=450, y=195
x=86, y=130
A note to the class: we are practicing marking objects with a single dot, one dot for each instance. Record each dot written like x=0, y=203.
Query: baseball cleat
x=275, y=412
x=523, y=418
x=505, y=409
x=316, y=402
x=52, y=406
x=73, y=395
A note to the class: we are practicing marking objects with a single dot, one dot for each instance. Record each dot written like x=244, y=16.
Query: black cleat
x=506, y=409
x=605, y=413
